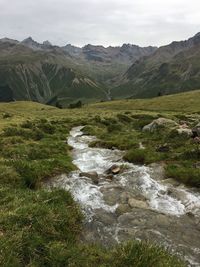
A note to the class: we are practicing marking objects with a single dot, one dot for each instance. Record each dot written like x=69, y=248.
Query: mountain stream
x=137, y=203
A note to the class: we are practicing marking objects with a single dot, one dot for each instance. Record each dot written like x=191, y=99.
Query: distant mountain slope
x=29, y=72
x=54, y=75
x=104, y=64
x=60, y=75
x=170, y=69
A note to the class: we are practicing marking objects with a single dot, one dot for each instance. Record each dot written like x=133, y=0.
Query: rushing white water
x=98, y=159
x=164, y=207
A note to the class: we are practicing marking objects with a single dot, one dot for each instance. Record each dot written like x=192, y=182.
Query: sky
x=103, y=22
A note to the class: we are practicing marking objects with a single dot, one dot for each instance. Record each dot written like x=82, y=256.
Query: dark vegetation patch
x=185, y=173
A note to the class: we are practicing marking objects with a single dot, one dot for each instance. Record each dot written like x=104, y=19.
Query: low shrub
x=78, y=104
x=38, y=134
x=8, y=175
x=193, y=154
x=114, y=127
x=144, y=156
x=186, y=175
x=14, y=140
x=27, y=124
x=31, y=172
x=17, y=131
x=6, y=115
x=136, y=156
x=143, y=254
x=124, y=118
x=47, y=128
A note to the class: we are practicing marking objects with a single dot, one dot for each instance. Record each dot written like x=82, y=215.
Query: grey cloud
x=107, y=22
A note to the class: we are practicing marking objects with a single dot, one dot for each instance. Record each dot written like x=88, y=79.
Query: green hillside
x=64, y=75
x=183, y=102
x=170, y=69
x=43, y=76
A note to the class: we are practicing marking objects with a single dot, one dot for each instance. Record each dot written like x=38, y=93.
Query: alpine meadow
x=99, y=138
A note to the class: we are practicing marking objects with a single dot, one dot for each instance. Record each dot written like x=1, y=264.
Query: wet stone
x=114, y=169
x=135, y=203
x=122, y=208
x=104, y=217
x=110, y=176
x=92, y=175
x=124, y=197
x=111, y=196
x=163, y=220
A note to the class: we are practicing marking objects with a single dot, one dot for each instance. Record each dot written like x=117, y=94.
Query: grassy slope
x=184, y=102
x=120, y=123
x=34, y=224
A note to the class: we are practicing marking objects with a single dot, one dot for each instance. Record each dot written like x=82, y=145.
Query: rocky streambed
x=123, y=201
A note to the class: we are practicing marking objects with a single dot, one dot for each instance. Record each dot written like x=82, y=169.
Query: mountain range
x=170, y=69
x=56, y=75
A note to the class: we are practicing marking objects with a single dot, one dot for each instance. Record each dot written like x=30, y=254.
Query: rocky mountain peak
x=195, y=39
x=29, y=42
x=8, y=40
x=47, y=43
x=197, y=35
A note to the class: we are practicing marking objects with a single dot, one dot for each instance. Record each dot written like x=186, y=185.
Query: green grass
x=185, y=173
x=184, y=102
x=32, y=222
x=36, y=151
x=41, y=228
x=123, y=130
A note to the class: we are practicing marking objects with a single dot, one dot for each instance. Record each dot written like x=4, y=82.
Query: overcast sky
x=106, y=22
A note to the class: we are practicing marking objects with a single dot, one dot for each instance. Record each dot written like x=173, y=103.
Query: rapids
x=138, y=203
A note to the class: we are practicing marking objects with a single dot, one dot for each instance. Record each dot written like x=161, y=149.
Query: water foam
x=98, y=159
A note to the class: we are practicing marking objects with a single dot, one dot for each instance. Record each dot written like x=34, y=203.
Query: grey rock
x=158, y=123
x=135, y=203
x=185, y=131
x=122, y=208
x=92, y=175
x=114, y=169
x=124, y=197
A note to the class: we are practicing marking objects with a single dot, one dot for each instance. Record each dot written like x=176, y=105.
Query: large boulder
x=196, y=130
x=159, y=123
